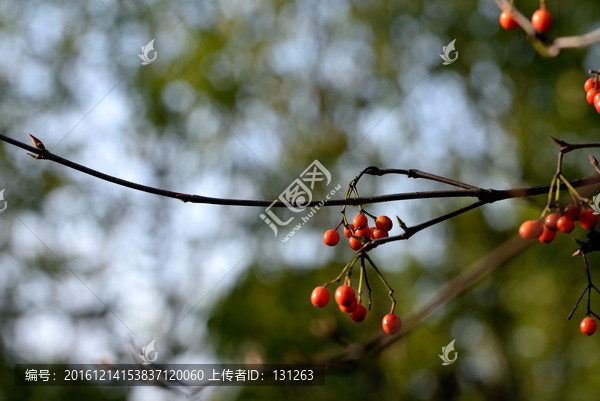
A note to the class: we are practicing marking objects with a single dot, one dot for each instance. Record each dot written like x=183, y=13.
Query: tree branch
x=484, y=195
x=542, y=44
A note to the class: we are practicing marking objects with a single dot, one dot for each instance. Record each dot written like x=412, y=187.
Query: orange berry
x=551, y=220
x=507, y=22
x=591, y=83
x=344, y=295
x=320, y=297
x=547, y=236
x=331, y=237
x=588, y=219
x=572, y=211
x=380, y=234
x=355, y=243
x=349, y=232
x=542, y=20
x=588, y=326
x=360, y=221
x=391, y=323
x=359, y=313
x=531, y=229
x=365, y=233
x=384, y=223
x=589, y=96
x=350, y=308
x=565, y=224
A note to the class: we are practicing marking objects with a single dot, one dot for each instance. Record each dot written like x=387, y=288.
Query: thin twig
x=588, y=289
x=594, y=163
x=412, y=173
x=490, y=195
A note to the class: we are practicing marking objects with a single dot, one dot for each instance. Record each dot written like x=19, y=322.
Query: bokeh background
x=242, y=97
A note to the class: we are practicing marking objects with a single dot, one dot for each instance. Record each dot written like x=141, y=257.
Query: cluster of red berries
x=359, y=231
x=347, y=302
x=541, y=19
x=592, y=91
x=546, y=231
x=564, y=222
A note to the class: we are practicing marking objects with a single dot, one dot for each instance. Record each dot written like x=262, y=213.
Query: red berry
x=588, y=326
x=597, y=105
x=350, y=308
x=547, y=236
x=331, y=238
x=551, y=220
x=360, y=221
x=349, y=233
x=344, y=295
x=320, y=297
x=355, y=244
x=391, y=323
x=359, y=313
x=590, y=84
x=380, y=234
x=590, y=95
x=531, y=229
x=384, y=223
x=365, y=233
x=572, y=211
x=565, y=224
x=507, y=22
x=542, y=20
x=588, y=219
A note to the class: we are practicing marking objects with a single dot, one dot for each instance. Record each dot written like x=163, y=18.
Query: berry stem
x=347, y=268
x=557, y=197
x=363, y=269
x=577, y=304
x=369, y=214
x=549, y=202
x=572, y=191
x=360, y=280
x=588, y=289
x=594, y=163
x=385, y=283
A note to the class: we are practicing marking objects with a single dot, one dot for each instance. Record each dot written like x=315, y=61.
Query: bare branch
x=543, y=45
x=567, y=42
x=484, y=195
